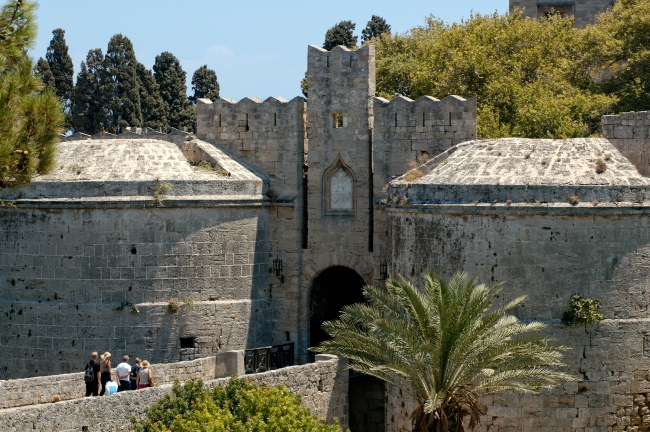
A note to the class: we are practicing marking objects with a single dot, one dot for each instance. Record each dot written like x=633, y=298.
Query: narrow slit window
x=328, y=61
x=188, y=342
x=219, y=120
x=423, y=118
x=449, y=119
x=247, y=122
x=275, y=119
x=395, y=119
x=338, y=120
x=350, y=61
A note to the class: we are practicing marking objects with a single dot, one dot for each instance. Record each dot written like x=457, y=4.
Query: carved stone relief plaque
x=341, y=191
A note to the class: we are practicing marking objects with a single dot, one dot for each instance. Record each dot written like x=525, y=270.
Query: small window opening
x=288, y=336
x=247, y=122
x=188, y=342
x=134, y=250
x=449, y=119
x=550, y=10
x=275, y=119
x=219, y=120
x=320, y=385
x=338, y=120
x=350, y=61
x=395, y=119
x=423, y=118
x=328, y=61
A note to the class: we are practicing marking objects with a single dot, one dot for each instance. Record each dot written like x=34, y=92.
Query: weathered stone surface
x=323, y=386
x=516, y=170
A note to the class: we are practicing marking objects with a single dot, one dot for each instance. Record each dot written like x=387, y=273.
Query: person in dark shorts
x=105, y=371
x=91, y=376
x=134, y=373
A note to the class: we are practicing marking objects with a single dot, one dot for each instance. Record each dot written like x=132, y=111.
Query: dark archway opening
x=331, y=290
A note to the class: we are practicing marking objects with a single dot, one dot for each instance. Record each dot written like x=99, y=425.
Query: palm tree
x=446, y=346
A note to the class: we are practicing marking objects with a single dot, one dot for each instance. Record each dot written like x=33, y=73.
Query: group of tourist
x=127, y=377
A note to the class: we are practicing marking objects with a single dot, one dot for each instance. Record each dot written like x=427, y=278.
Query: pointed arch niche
x=339, y=191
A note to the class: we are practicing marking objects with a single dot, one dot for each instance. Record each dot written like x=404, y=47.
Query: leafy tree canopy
x=341, y=34
x=237, y=407
x=61, y=66
x=204, y=84
x=375, y=27
x=30, y=119
x=619, y=48
x=170, y=76
x=446, y=345
x=527, y=74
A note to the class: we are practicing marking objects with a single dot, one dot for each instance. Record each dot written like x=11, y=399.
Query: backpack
x=89, y=375
x=134, y=372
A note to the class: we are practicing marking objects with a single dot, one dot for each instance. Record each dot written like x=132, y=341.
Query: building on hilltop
x=584, y=11
x=278, y=212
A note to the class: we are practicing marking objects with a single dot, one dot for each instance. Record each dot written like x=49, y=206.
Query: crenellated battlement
x=407, y=132
x=228, y=119
x=340, y=58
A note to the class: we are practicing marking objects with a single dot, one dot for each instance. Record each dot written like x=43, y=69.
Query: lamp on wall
x=277, y=268
x=383, y=270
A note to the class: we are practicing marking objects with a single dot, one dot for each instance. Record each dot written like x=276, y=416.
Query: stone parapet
x=40, y=390
x=323, y=386
x=629, y=133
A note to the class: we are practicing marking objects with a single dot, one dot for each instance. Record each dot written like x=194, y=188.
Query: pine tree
x=42, y=69
x=341, y=34
x=204, y=84
x=30, y=119
x=151, y=103
x=375, y=27
x=61, y=66
x=122, y=93
x=89, y=103
x=171, y=79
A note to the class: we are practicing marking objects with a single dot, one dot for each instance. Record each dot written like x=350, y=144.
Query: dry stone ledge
x=41, y=390
x=323, y=386
x=520, y=170
x=117, y=168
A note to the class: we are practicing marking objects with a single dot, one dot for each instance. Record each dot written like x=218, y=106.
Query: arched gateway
x=331, y=290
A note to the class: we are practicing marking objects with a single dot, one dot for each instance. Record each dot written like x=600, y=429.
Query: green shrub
x=237, y=407
x=583, y=310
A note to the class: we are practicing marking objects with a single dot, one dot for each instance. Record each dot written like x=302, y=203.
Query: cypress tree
x=171, y=78
x=42, y=69
x=204, y=84
x=375, y=27
x=341, y=34
x=61, y=66
x=151, y=103
x=122, y=93
x=89, y=103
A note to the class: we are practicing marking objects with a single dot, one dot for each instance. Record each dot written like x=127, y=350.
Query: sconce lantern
x=383, y=270
x=277, y=268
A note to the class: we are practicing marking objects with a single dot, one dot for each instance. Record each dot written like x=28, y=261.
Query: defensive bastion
x=301, y=204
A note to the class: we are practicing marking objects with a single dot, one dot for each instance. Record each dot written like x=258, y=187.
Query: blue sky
x=257, y=48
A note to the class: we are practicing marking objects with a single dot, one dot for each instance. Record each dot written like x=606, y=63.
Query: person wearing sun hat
x=144, y=379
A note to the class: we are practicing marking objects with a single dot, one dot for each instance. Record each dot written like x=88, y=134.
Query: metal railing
x=268, y=358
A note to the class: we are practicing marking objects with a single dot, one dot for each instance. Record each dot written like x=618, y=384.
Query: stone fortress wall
x=408, y=133
x=584, y=11
x=629, y=133
x=270, y=138
x=90, y=262
x=323, y=386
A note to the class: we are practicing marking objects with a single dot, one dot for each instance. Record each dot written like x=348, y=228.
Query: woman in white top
x=144, y=378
